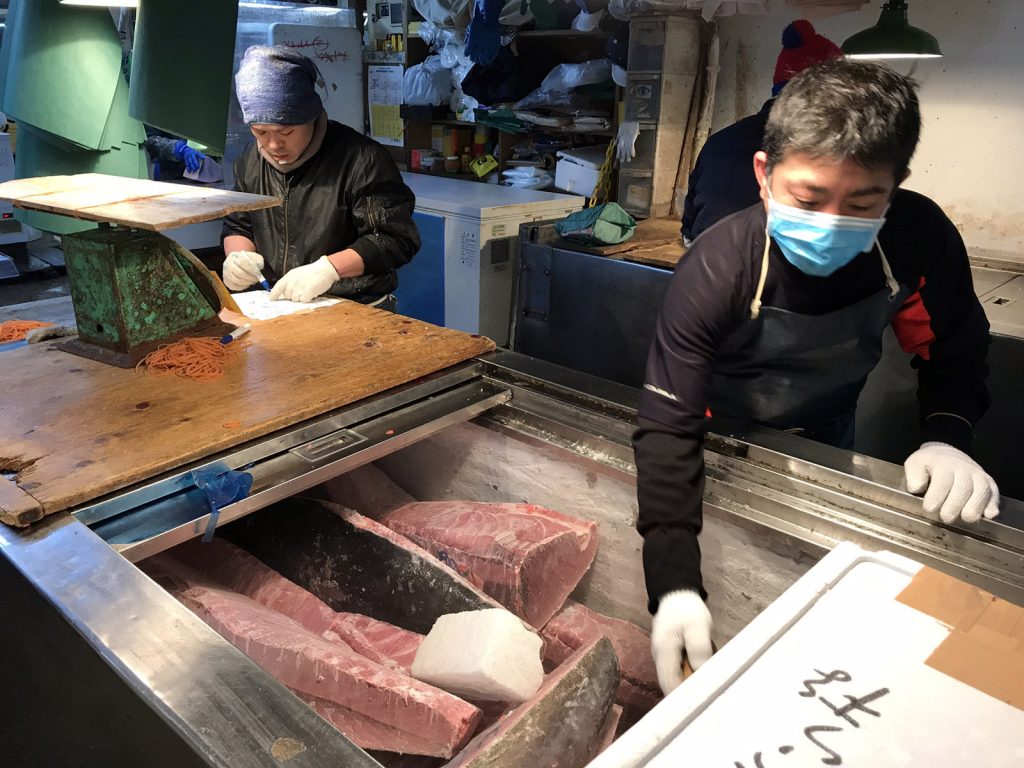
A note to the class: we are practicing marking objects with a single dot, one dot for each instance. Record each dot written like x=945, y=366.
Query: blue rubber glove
x=192, y=158
x=483, y=37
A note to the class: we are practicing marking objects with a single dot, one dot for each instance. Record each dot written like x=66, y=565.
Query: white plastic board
x=338, y=54
x=846, y=684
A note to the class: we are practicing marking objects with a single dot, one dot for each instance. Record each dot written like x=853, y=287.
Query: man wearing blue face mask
x=776, y=317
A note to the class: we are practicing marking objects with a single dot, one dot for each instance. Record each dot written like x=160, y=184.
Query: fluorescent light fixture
x=274, y=6
x=103, y=3
x=892, y=37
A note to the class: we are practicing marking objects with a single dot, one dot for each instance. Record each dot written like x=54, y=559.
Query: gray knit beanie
x=277, y=85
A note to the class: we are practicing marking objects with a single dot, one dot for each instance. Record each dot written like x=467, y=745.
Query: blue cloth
x=222, y=486
x=276, y=85
x=722, y=181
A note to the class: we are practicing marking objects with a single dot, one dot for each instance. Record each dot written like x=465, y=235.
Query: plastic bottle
x=467, y=158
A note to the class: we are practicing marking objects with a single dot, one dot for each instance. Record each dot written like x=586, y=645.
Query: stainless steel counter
x=108, y=669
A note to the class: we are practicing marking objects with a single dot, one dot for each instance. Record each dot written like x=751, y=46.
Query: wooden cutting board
x=74, y=429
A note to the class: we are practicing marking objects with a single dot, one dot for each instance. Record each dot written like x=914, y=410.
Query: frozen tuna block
x=317, y=667
x=482, y=655
x=354, y=564
x=526, y=557
x=561, y=725
x=576, y=625
x=235, y=568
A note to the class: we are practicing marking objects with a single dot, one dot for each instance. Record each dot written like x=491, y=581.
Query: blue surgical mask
x=817, y=243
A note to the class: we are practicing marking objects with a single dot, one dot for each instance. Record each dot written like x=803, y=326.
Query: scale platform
x=133, y=288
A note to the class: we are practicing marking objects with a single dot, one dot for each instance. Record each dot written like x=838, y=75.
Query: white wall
x=971, y=155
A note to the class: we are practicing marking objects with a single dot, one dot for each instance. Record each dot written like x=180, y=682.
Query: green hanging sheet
x=182, y=68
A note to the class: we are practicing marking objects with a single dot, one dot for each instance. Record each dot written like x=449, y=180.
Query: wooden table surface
x=73, y=429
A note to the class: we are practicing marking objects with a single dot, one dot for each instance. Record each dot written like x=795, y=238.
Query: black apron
x=803, y=373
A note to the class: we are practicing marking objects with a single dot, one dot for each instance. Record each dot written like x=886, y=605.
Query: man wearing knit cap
x=722, y=181
x=346, y=223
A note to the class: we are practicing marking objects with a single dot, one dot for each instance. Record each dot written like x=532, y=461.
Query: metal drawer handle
x=327, y=447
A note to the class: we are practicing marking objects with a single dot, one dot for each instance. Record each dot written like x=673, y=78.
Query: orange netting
x=16, y=330
x=197, y=359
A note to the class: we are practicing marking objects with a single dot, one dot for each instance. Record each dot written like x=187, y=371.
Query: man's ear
x=761, y=172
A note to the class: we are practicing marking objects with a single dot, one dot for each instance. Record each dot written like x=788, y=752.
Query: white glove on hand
x=682, y=623
x=956, y=485
x=242, y=269
x=625, y=141
x=307, y=282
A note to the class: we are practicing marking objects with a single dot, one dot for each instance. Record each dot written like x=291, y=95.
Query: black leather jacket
x=348, y=195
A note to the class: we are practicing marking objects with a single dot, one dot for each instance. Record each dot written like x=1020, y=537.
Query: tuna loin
x=354, y=564
x=576, y=625
x=421, y=717
x=376, y=640
x=366, y=732
x=562, y=725
x=526, y=557
x=367, y=490
x=235, y=568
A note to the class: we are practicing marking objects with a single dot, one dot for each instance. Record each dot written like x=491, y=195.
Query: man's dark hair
x=846, y=109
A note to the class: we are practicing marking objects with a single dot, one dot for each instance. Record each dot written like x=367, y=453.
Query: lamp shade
x=892, y=38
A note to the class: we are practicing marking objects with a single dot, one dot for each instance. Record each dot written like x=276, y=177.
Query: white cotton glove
x=625, y=141
x=307, y=282
x=682, y=623
x=956, y=485
x=242, y=269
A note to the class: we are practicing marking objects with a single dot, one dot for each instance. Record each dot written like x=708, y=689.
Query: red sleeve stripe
x=913, y=326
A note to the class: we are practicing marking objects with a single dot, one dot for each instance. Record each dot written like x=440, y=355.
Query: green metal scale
x=132, y=287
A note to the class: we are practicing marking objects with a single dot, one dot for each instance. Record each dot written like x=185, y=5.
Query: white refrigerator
x=463, y=275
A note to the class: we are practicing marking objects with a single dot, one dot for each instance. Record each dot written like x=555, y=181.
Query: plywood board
x=657, y=242
x=96, y=428
x=666, y=256
x=141, y=203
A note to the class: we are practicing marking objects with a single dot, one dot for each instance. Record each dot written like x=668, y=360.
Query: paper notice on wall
x=384, y=94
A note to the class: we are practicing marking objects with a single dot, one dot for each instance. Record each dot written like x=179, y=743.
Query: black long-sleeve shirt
x=722, y=181
x=942, y=325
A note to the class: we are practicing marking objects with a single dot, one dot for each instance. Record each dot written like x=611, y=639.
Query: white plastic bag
x=560, y=81
x=445, y=13
x=527, y=177
x=427, y=84
x=457, y=13
x=623, y=10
